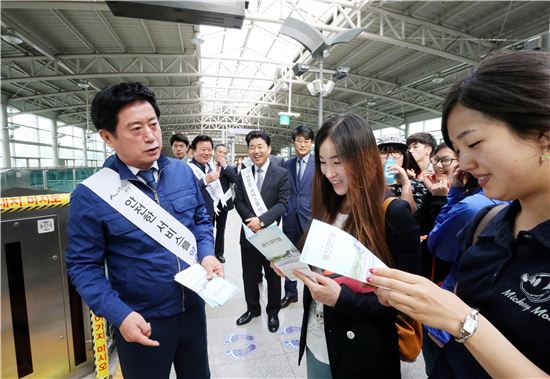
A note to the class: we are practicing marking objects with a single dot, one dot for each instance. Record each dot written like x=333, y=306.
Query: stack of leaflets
x=214, y=292
x=337, y=252
x=278, y=249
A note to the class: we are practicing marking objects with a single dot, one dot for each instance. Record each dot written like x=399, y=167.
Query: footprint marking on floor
x=293, y=344
x=238, y=353
x=241, y=352
x=289, y=329
x=232, y=338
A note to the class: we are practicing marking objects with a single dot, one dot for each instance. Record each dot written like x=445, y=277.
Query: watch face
x=469, y=325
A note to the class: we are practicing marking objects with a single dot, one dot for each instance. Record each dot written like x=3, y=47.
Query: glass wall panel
x=27, y=151
x=46, y=152
x=25, y=133
x=416, y=127
x=23, y=119
x=44, y=123
x=45, y=136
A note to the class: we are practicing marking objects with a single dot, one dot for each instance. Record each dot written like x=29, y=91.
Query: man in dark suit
x=261, y=199
x=297, y=218
x=227, y=176
x=203, y=145
x=278, y=160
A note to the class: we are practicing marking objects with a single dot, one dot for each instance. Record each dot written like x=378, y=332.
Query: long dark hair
x=512, y=88
x=356, y=147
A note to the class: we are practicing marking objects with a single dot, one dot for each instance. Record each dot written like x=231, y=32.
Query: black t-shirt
x=508, y=280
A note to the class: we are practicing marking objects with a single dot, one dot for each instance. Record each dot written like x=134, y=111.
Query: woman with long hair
x=498, y=122
x=349, y=334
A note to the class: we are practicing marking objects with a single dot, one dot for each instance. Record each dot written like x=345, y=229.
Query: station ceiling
x=401, y=65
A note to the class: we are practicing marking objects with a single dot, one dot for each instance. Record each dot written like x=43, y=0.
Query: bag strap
x=485, y=221
x=386, y=203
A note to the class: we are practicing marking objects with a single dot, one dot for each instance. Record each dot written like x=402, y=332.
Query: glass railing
x=56, y=179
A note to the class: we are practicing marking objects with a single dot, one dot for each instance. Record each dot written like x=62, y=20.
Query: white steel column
x=6, y=153
x=55, y=143
x=84, y=148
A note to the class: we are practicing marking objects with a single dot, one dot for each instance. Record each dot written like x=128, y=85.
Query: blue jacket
x=140, y=271
x=459, y=210
x=297, y=218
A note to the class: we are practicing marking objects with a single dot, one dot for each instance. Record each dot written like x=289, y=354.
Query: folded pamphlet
x=278, y=249
x=214, y=292
x=340, y=254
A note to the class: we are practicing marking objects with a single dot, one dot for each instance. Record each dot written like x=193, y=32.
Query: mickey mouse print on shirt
x=536, y=288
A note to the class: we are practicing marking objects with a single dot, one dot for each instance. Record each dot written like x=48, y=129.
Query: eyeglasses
x=302, y=141
x=444, y=161
x=395, y=154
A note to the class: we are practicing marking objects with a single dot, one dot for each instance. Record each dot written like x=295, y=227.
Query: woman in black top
x=347, y=333
x=498, y=121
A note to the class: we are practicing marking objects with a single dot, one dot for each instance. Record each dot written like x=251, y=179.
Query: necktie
x=259, y=178
x=301, y=165
x=149, y=177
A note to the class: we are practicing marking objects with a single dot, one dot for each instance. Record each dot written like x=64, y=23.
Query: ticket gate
x=45, y=326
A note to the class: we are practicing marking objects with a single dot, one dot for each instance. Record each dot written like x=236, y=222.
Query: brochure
x=214, y=292
x=330, y=248
x=278, y=249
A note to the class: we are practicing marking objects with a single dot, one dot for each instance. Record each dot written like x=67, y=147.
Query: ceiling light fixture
x=314, y=87
x=197, y=39
x=438, y=79
x=84, y=84
x=11, y=37
x=341, y=73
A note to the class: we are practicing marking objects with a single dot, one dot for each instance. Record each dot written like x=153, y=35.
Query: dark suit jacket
x=206, y=196
x=275, y=191
x=297, y=218
x=279, y=161
x=228, y=175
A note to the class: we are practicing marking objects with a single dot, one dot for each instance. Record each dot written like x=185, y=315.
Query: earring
x=544, y=155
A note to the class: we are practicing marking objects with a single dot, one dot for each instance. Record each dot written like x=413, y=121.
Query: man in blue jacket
x=297, y=218
x=158, y=322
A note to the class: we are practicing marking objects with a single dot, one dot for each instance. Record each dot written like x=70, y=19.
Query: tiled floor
x=251, y=351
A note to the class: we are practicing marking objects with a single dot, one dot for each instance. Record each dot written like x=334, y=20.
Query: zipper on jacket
x=182, y=290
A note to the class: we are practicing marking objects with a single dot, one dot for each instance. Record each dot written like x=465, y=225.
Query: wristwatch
x=262, y=224
x=469, y=326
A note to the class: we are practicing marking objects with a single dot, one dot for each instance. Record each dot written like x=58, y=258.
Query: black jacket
x=275, y=192
x=360, y=332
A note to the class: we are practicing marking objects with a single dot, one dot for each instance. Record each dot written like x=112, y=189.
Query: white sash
x=144, y=213
x=253, y=192
x=214, y=189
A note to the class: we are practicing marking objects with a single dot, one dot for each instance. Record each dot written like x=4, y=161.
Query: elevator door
x=32, y=300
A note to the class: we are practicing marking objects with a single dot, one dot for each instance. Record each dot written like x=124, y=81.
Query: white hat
x=392, y=139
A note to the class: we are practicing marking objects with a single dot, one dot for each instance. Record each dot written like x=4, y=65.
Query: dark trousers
x=291, y=288
x=182, y=341
x=221, y=220
x=252, y=263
